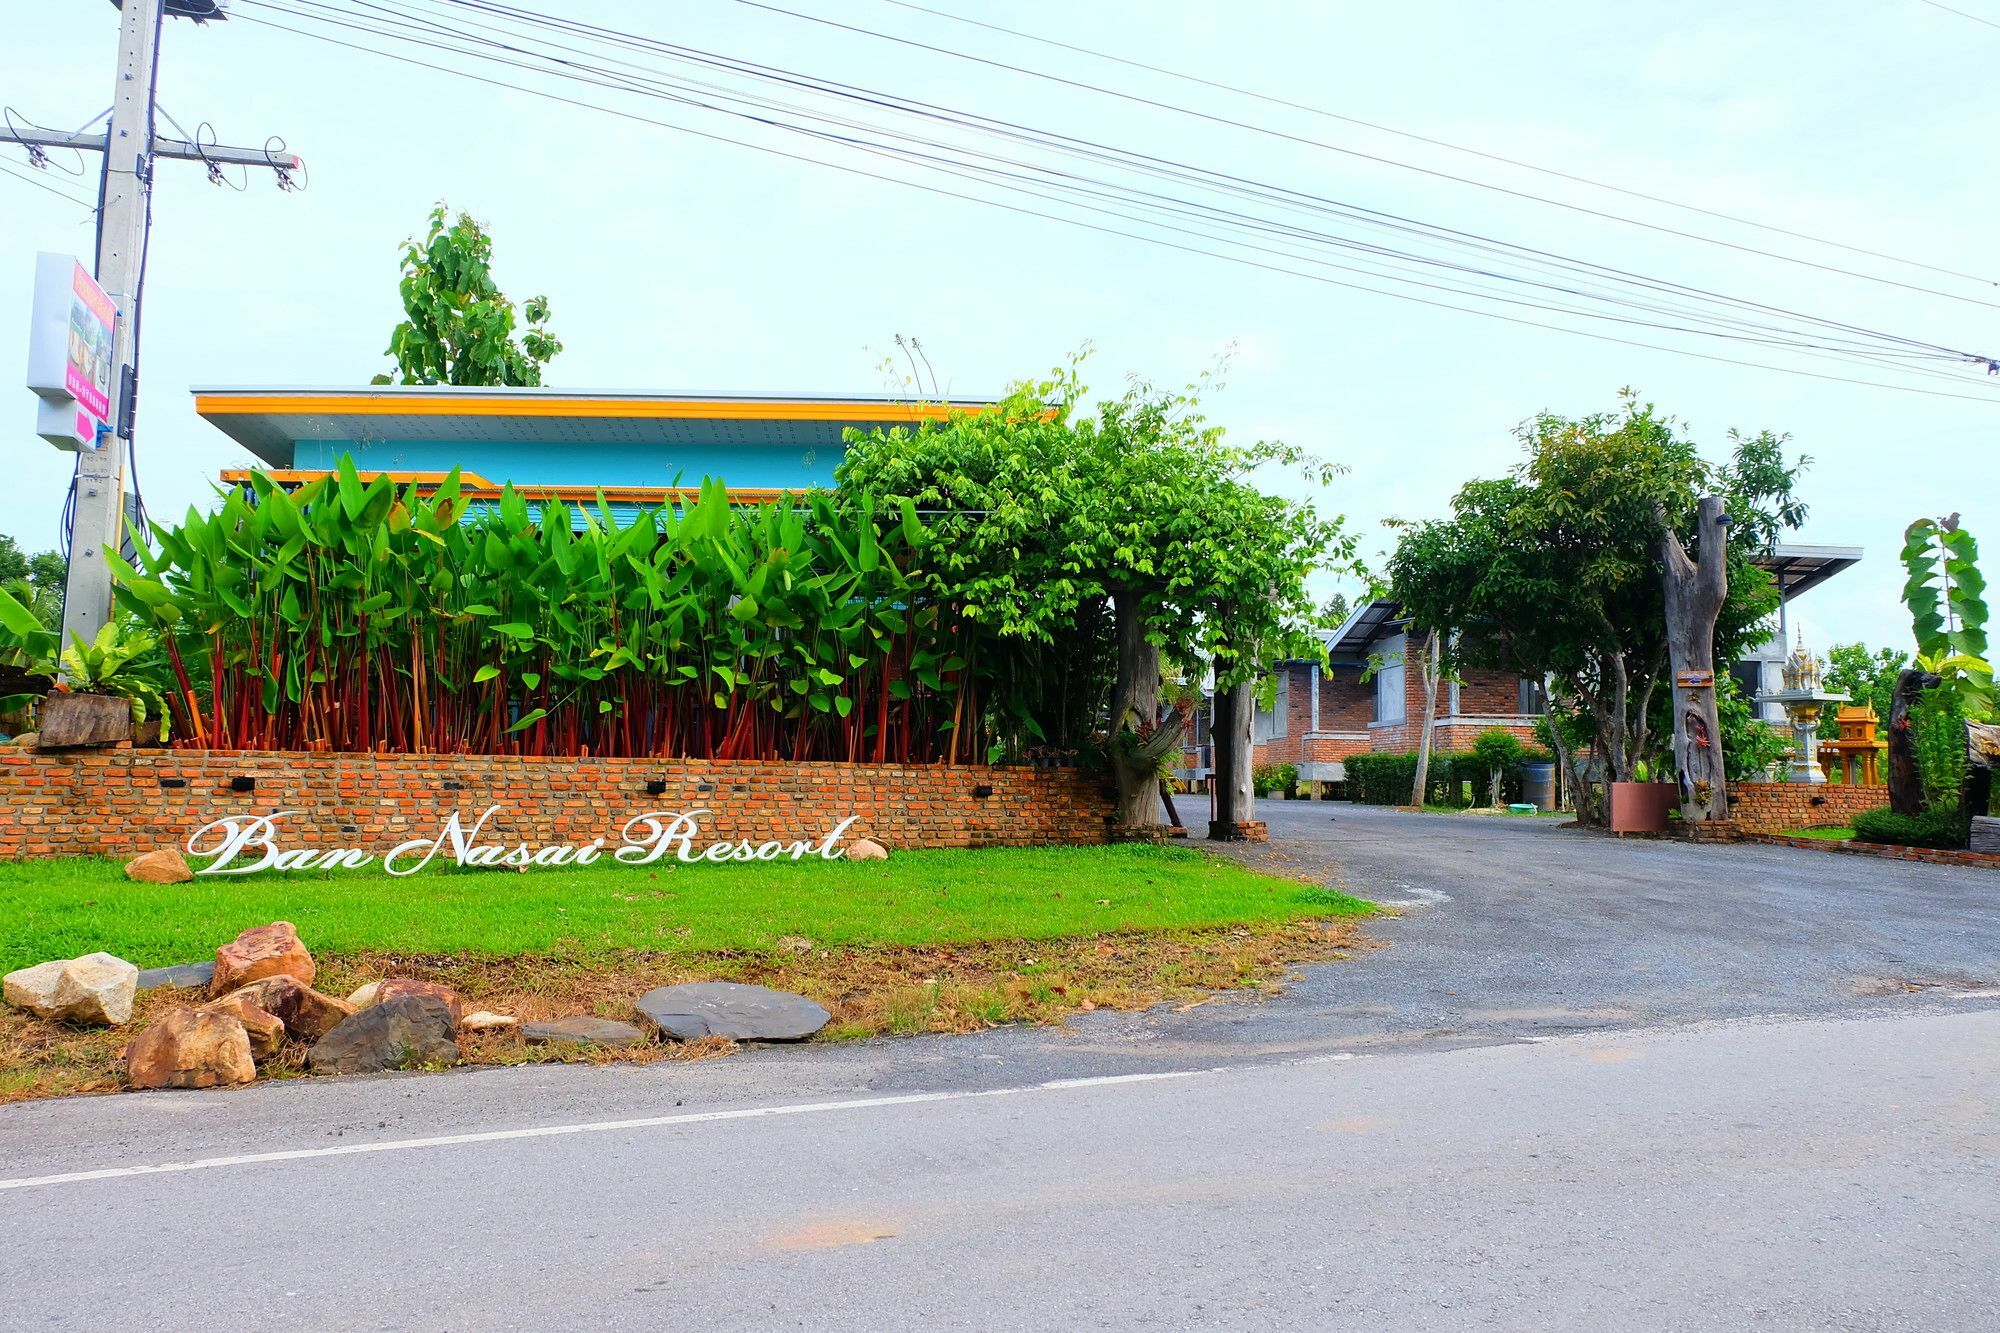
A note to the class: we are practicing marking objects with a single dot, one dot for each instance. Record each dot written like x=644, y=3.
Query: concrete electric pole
x=124, y=216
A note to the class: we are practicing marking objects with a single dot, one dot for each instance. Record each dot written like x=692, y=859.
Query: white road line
x=589, y=1127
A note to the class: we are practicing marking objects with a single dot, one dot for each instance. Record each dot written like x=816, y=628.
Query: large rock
x=728, y=1009
x=190, y=1048
x=396, y=988
x=867, y=849
x=581, y=1030
x=265, y=1029
x=306, y=1014
x=415, y=1030
x=96, y=988
x=262, y=951
x=191, y=976
x=165, y=866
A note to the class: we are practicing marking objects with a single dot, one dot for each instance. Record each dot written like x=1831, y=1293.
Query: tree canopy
x=1555, y=570
x=458, y=327
x=1043, y=514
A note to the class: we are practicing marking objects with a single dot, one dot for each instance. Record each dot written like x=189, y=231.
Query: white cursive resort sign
x=244, y=844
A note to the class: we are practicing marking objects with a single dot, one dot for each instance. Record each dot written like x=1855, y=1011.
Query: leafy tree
x=1869, y=677
x=458, y=327
x=1043, y=515
x=35, y=581
x=1555, y=570
x=1499, y=750
x=1750, y=745
x=1335, y=612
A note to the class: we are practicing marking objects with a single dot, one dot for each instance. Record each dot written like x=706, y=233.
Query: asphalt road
x=1586, y=1084
x=1798, y=1175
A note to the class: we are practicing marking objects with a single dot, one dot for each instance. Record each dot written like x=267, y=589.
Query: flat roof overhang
x=270, y=422
x=1800, y=568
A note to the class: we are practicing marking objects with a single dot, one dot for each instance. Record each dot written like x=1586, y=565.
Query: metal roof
x=270, y=422
x=1365, y=624
x=1799, y=568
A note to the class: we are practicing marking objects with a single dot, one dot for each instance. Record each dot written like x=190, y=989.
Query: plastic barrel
x=1538, y=783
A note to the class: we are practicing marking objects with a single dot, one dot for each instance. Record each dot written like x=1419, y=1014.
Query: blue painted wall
x=750, y=466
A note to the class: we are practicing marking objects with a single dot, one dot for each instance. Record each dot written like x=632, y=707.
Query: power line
x=925, y=160
x=1949, y=10
x=14, y=171
x=1351, y=152
x=1088, y=149
x=1414, y=137
x=1070, y=221
x=1174, y=207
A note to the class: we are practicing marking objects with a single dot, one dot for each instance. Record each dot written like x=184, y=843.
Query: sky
x=676, y=263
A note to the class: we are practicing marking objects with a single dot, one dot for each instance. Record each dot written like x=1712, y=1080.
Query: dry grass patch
x=870, y=991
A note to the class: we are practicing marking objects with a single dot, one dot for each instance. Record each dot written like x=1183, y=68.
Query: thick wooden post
x=1906, y=784
x=1235, y=710
x=1140, y=737
x=1695, y=590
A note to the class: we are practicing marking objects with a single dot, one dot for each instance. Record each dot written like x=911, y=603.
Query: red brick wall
x=1773, y=807
x=113, y=803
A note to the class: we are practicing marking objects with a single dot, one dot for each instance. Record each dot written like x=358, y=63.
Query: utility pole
x=124, y=218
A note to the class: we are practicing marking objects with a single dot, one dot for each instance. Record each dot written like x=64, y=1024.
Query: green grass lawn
x=62, y=908
x=1822, y=834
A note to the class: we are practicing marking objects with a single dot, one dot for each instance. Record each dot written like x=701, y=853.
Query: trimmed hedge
x=1945, y=830
x=1457, y=780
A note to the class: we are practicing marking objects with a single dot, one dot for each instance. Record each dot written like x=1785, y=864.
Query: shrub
x=1944, y=829
x=1455, y=780
x=1274, y=777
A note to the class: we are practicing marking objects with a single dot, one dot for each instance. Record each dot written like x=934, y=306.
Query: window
x=1531, y=702
x=1389, y=703
x=1269, y=724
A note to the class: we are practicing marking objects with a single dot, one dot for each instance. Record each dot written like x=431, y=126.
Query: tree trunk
x=1906, y=784
x=1235, y=708
x=1433, y=671
x=1695, y=590
x=1140, y=738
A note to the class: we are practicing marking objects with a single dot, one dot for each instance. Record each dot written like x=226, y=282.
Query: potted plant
x=1641, y=805
x=101, y=691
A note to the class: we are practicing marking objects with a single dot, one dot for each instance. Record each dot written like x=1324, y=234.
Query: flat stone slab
x=730, y=1009
x=602, y=1031
x=186, y=975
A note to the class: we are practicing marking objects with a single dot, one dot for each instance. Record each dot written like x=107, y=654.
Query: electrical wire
x=1102, y=152
x=1307, y=141
x=573, y=63
x=1960, y=12
x=10, y=169
x=1414, y=137
x=987, y=201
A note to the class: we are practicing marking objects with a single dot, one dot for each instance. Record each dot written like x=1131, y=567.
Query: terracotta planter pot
x=1641, y=807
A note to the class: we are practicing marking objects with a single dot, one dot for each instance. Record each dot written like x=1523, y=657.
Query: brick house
x=1323, y=714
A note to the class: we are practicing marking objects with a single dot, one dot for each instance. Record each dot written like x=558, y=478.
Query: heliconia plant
x=353, y=615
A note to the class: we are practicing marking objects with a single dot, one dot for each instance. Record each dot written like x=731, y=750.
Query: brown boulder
x=164, y=866
x=262, y=951
x=398, y=988
x=867, y=849
x=264, y=1028
x=396, y=1034
x=190, y=1048
x=306, y=1014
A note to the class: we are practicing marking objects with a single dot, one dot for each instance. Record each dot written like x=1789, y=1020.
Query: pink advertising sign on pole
x=70, y=351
